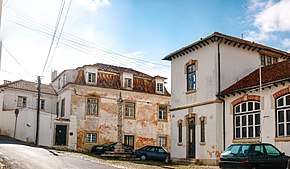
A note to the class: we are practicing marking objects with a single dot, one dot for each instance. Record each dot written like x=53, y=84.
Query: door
x=60, y=134
x=191, y=138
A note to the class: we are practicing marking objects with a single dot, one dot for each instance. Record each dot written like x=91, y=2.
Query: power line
x=60, y=33
x=55, y=30
x=16, y=60
x=92, y=45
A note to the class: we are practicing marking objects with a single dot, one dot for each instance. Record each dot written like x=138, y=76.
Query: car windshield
x=239, y=149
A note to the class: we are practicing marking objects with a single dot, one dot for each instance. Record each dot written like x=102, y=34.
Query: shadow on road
x=9, y=140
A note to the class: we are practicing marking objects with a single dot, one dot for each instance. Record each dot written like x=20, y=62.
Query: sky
x=130, y=33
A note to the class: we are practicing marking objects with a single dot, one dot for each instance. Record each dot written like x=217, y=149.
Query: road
x=19, y=155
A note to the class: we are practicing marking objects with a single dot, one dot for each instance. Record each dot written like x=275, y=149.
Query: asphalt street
x=19, y=155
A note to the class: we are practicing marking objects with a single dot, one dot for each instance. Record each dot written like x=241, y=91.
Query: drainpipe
x=219, y=91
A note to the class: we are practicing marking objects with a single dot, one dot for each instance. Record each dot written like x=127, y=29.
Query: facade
x=87, y=109
x=199, y=73
x=21, y=96
x=254, y=115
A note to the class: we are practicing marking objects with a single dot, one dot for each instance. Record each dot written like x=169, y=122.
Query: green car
x=253, y=156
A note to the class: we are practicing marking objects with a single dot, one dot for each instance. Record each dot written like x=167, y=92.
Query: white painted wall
x=268, y=123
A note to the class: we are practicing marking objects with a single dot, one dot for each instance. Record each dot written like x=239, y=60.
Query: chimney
x=7, y=82
x=53, y=75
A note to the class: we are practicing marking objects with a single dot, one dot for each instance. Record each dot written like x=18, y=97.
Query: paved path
x=19, y=155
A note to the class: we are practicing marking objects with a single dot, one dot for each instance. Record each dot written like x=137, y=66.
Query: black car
x=152, y=152
x=253, y=156
x=109, y=147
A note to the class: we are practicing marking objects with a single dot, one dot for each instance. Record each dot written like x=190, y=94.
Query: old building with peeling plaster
x=87, y=107
x=80, y=108
x=215, y=98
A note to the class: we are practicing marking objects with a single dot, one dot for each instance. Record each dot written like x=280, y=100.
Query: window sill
x=130, y=118
x=202, y=143
x=247, y=140
x=282, y=139
x=191, y=91
x=179, y=144
x=160, y=120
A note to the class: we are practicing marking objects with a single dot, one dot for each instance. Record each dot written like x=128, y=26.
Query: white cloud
x=286, y=43
x=93, y=5
x=274, y=17
x=269, y=17
x=254, y=36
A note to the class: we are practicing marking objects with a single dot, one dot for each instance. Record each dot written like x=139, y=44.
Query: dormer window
x=159, y=87
x=91, y=77
x=58, y=84
x=128, y=83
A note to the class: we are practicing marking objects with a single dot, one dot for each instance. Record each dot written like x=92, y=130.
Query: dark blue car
x=153, y=153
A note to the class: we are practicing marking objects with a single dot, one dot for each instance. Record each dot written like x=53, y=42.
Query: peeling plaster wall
x=145, y=126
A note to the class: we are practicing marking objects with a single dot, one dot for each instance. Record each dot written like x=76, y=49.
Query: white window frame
x=92, y=77
x=160, y=87
x=130, y=108
x=21, y=101
x=162, y=141
x=162, y=113
x=284, y=109
x=92, y=106
x=128, y=83
x=62, y=109
x=240, y=115
x=91, y=137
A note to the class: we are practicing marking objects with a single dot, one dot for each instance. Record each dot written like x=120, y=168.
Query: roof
x=226, y=39
x=118, y=69
x=271, y=75
x=29, y=86
x=105, y=79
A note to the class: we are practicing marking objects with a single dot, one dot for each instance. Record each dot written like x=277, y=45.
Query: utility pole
x=38, y=110
x=1, y=2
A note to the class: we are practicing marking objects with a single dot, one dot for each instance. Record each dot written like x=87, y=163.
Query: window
x=247, y=120
x=128, y=83
x=64, y=80
x=159, y=87
x=62, y=111
x=42, y=104
x=91, y=77
x=283, y=116
x=202, y=129
x=57, y=109
x=91, y=137
x=129, y=140
x=58, y=84
x=162, y=113
x=191, y=77
x=272, y=151
x=130, y=110
x=22, y=101
x=92, y=106
x=268, y=60
x=180, y=132
x=162, y=140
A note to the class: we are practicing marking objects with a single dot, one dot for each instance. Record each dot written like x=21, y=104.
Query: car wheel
x=143, y=157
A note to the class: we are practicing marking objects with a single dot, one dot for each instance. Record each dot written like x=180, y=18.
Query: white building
x=21, y=96
x=201, y=126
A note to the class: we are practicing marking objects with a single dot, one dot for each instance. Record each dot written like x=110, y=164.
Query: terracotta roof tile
x=110, y=78
x=270, y=74
x=30, y=86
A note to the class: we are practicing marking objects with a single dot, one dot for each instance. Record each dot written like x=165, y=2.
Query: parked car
x=110, y=147
x=152, y=152
x=253, y=156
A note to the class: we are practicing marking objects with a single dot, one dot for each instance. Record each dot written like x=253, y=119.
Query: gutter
x=218, y=95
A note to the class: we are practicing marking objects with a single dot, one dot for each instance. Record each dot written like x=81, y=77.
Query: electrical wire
x=55, y=30
x=15, y=60
x=92, y=45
